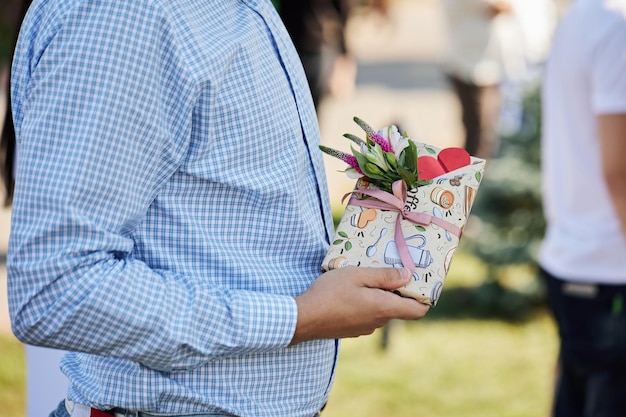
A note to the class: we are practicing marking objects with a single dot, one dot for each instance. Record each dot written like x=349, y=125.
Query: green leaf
x=391, y=159
x=420, y=228
x=361, y=159
x=343, y=234
x=372, y=170
x=409, y=178
x=371, y=158
x=410, y=157
x=431, y=151
x=337, y=242
x=478, y=176
x=348, y=246
x=384, y=185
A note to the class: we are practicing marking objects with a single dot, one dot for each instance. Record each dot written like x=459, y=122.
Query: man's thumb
x=390, y=278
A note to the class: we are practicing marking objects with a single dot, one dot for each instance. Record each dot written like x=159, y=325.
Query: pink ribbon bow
x=397, y=202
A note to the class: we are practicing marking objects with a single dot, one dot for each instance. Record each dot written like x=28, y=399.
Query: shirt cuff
x=269, y=321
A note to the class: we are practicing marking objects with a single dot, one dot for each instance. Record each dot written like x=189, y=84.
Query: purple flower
x=345, y=157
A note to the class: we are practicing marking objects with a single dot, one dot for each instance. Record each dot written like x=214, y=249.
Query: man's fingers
x=386, y=278
x=410, y=309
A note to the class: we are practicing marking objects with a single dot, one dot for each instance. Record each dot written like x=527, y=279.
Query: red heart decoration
x=448, y=160
x=453, y=158
x=429, y=168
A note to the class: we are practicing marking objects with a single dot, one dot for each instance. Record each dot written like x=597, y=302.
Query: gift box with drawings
x=409, y=207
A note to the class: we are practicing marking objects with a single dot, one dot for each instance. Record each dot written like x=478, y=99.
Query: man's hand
x=351, y=302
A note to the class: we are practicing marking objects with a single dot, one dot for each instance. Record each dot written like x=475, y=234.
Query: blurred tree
x=507, y=223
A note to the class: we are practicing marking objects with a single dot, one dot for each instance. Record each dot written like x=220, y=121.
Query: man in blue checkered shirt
x=171, y=213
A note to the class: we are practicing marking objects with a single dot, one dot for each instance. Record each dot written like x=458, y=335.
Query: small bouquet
x=409, y=207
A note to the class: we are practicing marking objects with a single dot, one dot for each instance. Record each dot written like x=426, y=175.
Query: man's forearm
x=612, y=132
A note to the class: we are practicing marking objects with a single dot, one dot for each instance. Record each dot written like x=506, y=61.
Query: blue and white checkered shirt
x=170, y=204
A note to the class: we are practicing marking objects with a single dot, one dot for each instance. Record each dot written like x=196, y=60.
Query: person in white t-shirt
x=484, y=42
x=583, y=256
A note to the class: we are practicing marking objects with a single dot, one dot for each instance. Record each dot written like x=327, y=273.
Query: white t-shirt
x=481, y=48
x=46, y=385
x=585, y=77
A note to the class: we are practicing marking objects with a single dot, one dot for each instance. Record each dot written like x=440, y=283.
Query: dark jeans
x=592, y=361
x=60, y=411
x=480, y=107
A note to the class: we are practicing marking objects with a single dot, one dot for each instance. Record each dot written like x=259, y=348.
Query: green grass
x=12, y=377
x=440, y=368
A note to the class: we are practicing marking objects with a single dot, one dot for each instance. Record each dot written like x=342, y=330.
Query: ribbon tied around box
x=397, y=202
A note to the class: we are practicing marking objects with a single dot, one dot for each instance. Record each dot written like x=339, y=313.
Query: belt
x=82, y=410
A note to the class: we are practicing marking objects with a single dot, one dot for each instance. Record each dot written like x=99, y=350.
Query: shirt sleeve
x=104, y=105
x=608, y=71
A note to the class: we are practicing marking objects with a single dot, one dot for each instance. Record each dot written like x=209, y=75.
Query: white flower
x=353, y=173
x=396, y=140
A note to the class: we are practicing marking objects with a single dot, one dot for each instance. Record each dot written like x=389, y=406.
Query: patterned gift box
x=418, y=228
